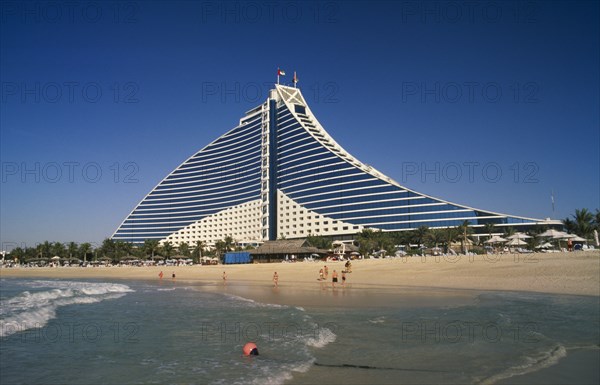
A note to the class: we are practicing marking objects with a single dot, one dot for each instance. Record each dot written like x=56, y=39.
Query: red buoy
x=250, y=349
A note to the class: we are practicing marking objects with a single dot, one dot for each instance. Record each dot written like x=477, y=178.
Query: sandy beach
x=554, y=273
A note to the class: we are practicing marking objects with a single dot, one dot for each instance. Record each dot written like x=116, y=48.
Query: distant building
x=278, y=173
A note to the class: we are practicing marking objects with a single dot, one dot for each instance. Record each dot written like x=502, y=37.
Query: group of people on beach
x=324, y=273
x=160, y=275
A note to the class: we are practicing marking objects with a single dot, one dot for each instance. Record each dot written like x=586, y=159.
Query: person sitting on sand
x=348, y=266
x=334, y=278
x=275, y=279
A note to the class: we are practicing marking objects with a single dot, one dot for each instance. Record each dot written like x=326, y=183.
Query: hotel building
x=278, y=173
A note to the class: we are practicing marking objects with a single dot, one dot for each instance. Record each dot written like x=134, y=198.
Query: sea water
x=91, y=332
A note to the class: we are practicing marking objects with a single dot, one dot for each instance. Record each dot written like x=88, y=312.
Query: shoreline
x=553, y=273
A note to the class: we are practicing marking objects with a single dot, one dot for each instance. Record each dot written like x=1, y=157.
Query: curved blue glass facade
x=300, y=180
x=223, y=174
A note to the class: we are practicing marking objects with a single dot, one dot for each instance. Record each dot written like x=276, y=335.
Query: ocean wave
x=377, y=320
x=253, y=303
x=532, y=364
x=29, y=310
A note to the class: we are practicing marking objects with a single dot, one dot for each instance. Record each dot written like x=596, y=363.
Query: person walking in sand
x=224, y=278
x=343, y=277
x=160, y=275
x=275, y=280
x=334, y=278
x=326, y=271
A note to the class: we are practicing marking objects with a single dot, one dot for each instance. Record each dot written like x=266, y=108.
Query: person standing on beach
x=326, y=271
x=334, y=278
x=343, y=277
x=160, y=275
x=224, y=278
x=321, y=275
x=275, y=280
x=173, y=275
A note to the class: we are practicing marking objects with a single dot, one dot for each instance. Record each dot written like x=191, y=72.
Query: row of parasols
x=517, y=239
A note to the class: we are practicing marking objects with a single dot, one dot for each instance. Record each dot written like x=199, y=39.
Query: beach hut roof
x=286, y=246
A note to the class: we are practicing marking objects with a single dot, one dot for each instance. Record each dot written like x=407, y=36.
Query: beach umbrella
x=553, y=234
x=495, y=239
x=516, y=242
x=576, y=238
x=519, y=236
x=55, y=258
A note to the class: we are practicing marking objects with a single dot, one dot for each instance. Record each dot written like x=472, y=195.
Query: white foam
x=280, y=375
x=532, y=364
x=34, y=310
x=378, y=320
x=322, y=338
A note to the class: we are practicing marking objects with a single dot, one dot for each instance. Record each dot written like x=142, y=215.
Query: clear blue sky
x=451, y=87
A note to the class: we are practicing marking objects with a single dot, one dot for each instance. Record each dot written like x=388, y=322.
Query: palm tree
x=122, y=249
x=509, y=231
x=151, y=246
x=421, y=234
x=17, y=253
x=228, y=243
x=167, y=248
x=489, y=228
x=319, y=242
x=464, y=230
x=220, y=248
x=44, y=249
x=366, y=241
x=435, y=237
x=184, y=249
x=72, y=249
x=451, y=234
x=58, y=249
x=108, y=248
x=570, y=225
x=84, y=249
x=198, y=250
x=584, y=223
